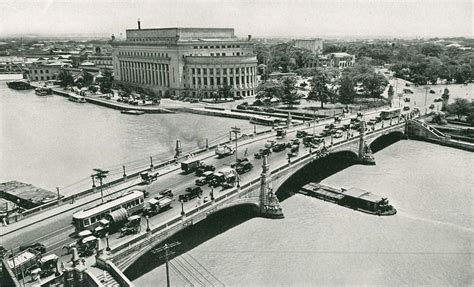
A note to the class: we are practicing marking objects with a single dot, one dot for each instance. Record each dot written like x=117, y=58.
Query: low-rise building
x=342, y=60
x=44, y=72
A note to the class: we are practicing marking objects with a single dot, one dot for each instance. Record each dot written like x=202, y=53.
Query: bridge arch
x=196, y=234
x=316, y=170
x=384, y=140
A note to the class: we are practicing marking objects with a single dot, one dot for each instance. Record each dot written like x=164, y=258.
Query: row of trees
x=284, y=91
x=328, y=85
x=105, y=82
x=418, y=62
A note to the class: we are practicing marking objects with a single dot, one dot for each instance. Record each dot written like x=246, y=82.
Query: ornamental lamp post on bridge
x=107, y=241
x=147, y=223
x=182, y=207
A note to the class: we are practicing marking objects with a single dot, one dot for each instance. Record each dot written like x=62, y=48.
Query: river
x=428, y=242
x=50, y=141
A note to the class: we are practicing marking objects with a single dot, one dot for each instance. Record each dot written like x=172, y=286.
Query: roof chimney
x=249, y=37
x=139, y=26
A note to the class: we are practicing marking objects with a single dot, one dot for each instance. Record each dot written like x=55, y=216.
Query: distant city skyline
x=260, y=18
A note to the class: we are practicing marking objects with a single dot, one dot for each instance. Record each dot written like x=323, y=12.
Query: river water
x=50, y=141
x=429, y=240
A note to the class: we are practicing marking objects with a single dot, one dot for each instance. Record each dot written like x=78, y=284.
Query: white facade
x=191, y=61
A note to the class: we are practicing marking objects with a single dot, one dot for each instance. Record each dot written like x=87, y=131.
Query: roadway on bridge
x=58, y=231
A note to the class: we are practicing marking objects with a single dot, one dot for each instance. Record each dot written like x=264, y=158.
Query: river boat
x=76, y=98
x=354, y=198
x=132, y=112
x=43, y=91
x=19, y=85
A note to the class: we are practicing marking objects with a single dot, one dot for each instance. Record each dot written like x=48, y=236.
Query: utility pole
x=236, y=131
x=426, y=95
x=165, y=248
x=100, y=174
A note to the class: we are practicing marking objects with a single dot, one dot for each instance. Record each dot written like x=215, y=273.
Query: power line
x=196, y=270
x=180, y=275
x=189, y=272
x=205, y=268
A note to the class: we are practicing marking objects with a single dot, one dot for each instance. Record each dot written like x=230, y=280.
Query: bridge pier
x=365, y=154
x=269, y=204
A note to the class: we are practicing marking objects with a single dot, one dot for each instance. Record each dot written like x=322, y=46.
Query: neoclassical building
x=185, y=61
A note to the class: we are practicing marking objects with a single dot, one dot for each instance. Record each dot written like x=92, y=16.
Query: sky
x=260, y=18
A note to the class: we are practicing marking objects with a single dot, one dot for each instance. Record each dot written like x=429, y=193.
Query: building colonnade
x=156, y=74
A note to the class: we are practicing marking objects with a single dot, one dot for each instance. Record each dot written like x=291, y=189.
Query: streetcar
x=390, y=113
x=129, y=203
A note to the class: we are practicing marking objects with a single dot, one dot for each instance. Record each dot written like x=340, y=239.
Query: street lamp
x=182, y=207
x=212, y=193
x=147, y=224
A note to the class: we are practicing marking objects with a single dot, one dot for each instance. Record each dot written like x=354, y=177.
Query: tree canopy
x=225, y=91
x=288, y=94
x=461, y=107
x=106, y=82
x=65, y=78
x=346, y=90
x=319, y=87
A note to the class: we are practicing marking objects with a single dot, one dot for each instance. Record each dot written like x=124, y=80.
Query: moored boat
x=132, y=112
x=354, y=198
x=43, y=91
x=19, y=85
x=76, y=98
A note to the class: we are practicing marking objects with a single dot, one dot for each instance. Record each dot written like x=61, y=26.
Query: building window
x=205, y=81
x=223, y=54
x=204, y=71
x=199, y=71
x=211, y=81
x=47, y=71
x=41, y=71
x=193, y=71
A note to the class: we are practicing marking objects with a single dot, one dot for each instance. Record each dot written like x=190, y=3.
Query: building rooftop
x=180, y=33
x=363, y=194
x=340, y=54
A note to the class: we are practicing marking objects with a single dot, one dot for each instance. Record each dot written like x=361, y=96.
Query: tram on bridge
x=127, y=204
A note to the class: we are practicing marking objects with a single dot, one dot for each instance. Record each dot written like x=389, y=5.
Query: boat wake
x=437, y=222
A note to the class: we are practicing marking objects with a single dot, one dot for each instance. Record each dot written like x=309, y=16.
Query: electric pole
x=100, y=174
x=236, y=131
x=165, y=248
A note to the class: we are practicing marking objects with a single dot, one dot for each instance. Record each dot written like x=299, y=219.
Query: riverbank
x=108, y=103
